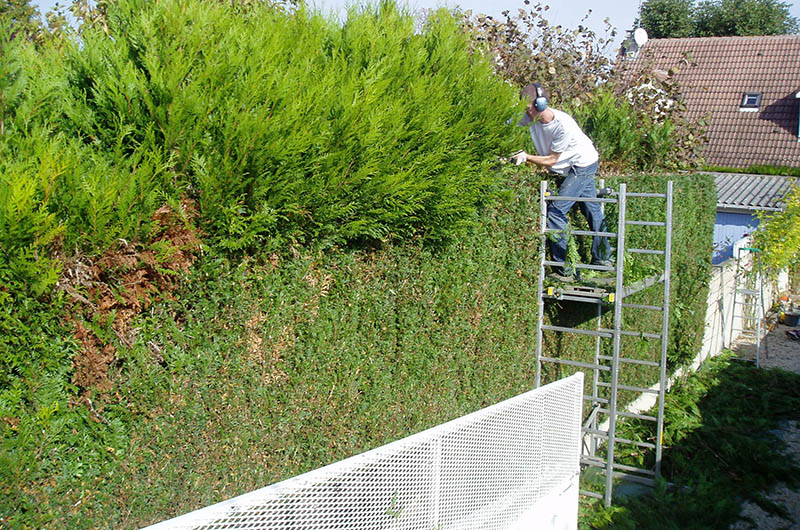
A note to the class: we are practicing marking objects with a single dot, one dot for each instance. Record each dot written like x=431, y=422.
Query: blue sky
x=621, y=13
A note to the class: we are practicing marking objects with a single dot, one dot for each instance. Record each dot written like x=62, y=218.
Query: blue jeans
x=578, y=183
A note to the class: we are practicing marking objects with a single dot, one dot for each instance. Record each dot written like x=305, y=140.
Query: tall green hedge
x=258, y=371
x=287, y=128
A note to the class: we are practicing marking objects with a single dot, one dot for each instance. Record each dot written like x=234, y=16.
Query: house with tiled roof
x=747, y=87
x=747, y=90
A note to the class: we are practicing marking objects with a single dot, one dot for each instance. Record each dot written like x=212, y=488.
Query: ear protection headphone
x=540, y=103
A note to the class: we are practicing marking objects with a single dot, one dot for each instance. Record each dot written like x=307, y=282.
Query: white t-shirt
x=562, y=135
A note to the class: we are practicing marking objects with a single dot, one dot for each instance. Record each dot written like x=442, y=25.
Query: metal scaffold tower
x=748, y=292
x=600, y=440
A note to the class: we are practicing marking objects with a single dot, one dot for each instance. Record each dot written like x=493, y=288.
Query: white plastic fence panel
x=512, y=465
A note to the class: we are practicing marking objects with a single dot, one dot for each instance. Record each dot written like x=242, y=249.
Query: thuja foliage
x=58, y=190
x=625, y=136
x=29, y=163
x=292, y=127
x=262, y=369
x=287, y=128
x=694, y=210
x=693, y=221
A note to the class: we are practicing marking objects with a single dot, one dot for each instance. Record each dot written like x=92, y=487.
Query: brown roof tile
x=715, y=72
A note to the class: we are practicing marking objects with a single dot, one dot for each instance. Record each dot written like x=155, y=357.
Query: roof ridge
x=727, y=37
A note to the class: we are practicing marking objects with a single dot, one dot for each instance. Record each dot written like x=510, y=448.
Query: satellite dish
x=640, y=36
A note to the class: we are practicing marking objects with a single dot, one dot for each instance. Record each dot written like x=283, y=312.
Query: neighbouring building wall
x=723, y=321
x=729, y=228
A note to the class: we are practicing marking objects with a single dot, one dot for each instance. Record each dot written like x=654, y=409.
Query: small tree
x=526, y=48
x=778, y=236
x=22, y=16
x=667, y=18
x=719, y=18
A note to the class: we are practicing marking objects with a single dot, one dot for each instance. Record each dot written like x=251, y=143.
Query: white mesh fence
x=511, y=465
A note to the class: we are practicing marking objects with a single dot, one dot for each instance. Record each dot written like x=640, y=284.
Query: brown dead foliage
x=268, y=352
x=320, y=282
x=116, y=287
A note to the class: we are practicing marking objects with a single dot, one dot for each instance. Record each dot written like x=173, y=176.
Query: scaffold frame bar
x=610, y=363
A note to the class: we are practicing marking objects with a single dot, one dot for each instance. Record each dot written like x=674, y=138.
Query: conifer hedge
x=694, y=213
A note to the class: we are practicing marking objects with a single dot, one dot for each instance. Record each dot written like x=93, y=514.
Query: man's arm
x=545, y=161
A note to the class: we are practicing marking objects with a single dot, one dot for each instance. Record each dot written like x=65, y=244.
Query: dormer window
x=750, y=102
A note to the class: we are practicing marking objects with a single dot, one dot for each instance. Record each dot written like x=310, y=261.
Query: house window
x=750, y=102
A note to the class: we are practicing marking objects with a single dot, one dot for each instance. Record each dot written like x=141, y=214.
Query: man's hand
x=519, y=158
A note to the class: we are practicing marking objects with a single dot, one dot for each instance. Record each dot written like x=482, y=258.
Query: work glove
x=519, y=158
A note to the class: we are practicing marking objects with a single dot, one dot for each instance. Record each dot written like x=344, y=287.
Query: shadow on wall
x=729, y=228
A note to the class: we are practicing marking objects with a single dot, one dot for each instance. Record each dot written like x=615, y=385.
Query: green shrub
x=779, y=234
x=290, y=128
x=48, y=435
x=287, y=128
x=294, y=127
x=260, y=371
x=611, y=126
x=694, y=213
x=624, y=136
x=56, y=191
x=26, y=227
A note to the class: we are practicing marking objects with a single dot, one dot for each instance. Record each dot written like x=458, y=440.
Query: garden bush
x=368, y=132
x=292, y=127
x=262, y=369
x=623, y=135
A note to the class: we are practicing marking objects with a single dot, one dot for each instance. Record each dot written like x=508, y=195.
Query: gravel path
x=782, y=352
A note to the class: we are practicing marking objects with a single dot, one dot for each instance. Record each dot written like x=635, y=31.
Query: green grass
x=721, y=448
